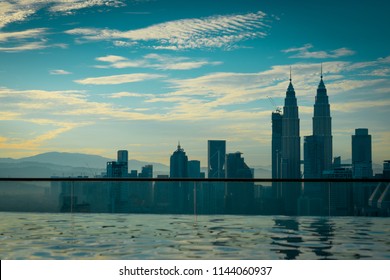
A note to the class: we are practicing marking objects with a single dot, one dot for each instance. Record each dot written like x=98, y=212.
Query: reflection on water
x=123, y=236
x=294, y=235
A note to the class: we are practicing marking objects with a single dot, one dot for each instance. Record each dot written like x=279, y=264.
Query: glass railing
x=292, y=197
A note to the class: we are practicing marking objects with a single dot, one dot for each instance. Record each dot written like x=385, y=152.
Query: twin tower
x=286, y=146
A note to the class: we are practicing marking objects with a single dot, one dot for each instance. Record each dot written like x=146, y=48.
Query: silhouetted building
x=179, y=164
x=123, y=156
x=322, y=128
x=361, y=154
x=290, y=159
x=276, y=152
x=116, y=169
x=339, y=198
x=239, y=196
x=183, y=193
x=317, y=152
x=213, y=193
x=119, y=191
x=216, y=158
x=362, y=168
x=194, y=169
x=147, y=171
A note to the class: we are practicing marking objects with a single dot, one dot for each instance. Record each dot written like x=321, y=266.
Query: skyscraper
x=179, y=163
x=119, y=168
x=214, y=192
x=361, y=168
x=182, y=197
x=318, y=147
x=239, y=196
x=317, y=151
x=119, y=191
x=322, y=129
x=194, y=169
x=216, y=158
x=276, y=151
x=123, y=156
x=361, y=154
x=291, y=152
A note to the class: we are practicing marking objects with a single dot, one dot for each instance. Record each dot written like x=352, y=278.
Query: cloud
x=20, y=10
x=357, y=106
x=130, y=94
x=155, y=61
x=111, y=58
x=304, y=52
x=26, y=34
x=52, y=129
x=59, y=72
x=118, y=79
x=30, y=39
x=210, y=32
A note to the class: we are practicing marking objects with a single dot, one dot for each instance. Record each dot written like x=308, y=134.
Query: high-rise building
x=182, y=195
x=119, y=192
x=216, y=158
x=123, y=156
x=239, y=196
x=194, y=169
x=317, y=151
x=179, y=163
x=119, y=168
x=276, y=151
x=322, y=128
x=361, y=168
x=338, y=200
x=291, y=152
x=361, y=154
x=318, y=147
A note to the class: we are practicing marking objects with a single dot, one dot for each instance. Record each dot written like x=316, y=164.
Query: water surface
x=131, y=236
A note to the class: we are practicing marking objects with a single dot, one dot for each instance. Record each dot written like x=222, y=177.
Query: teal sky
x=96, y=76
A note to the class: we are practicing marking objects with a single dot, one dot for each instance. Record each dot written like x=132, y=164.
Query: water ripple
x=121, y=236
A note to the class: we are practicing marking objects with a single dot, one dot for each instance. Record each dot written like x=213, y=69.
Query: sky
x=97, y=76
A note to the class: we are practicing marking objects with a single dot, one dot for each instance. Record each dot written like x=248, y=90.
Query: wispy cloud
x=210, y=32
x=304, y=52
x=39, y=140
x=26, y=34
x=130, y=94
x=59, y=72
x=27, y=40
x=156, y=61
x=20, y=10
x=118, y=79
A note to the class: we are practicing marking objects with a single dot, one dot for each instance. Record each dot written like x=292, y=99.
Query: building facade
x=216, y=152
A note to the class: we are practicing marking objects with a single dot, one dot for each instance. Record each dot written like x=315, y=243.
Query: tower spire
x=321, y=70
x=290, y=73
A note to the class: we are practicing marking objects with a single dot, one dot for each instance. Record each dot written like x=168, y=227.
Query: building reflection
x=287, y=241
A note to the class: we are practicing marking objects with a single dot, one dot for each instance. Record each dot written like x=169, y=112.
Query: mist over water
x=132, y=236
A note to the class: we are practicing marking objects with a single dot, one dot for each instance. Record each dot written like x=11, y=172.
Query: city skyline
x=98, y=76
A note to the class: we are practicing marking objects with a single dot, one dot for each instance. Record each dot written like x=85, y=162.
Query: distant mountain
x=69, y=159
x=263, y=173
x=65, y=164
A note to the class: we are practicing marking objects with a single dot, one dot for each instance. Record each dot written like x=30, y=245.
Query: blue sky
x=95, y=76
